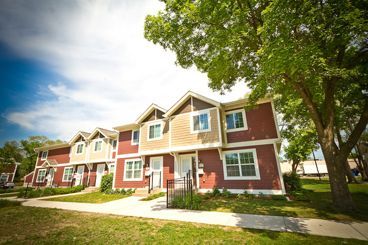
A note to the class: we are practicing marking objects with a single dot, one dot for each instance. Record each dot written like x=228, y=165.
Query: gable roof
x=105, y=132
x=186, y=97
x=151, y=108
x=84, y=135
x=49, y=162
x=51, y=147
x=126, y=127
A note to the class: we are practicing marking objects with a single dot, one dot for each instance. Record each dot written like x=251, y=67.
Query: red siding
x=119, y=175
x=261, y=125
x=125, y=145
x=28, y=179
x=214, y=176
x=61, y=155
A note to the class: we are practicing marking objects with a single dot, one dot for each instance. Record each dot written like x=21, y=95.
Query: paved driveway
x=132, y=206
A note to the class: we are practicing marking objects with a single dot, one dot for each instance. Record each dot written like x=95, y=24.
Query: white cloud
x=99, y=46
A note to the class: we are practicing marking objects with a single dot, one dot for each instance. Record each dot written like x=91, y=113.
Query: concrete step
x=91, y=189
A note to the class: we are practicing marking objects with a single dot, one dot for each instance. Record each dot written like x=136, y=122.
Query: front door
x=184, y=166
x=50, y=177
x=156, y=166
x=79, y=176
x=99, y=173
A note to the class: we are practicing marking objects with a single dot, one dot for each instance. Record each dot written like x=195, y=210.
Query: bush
x=279, y=197
x=216, y=192
x=32, y=193
x=185, y=202
x=292, y=182
x=106, y=182
x=226, y=192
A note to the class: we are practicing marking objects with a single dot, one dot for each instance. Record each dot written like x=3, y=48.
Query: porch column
x=197, y=174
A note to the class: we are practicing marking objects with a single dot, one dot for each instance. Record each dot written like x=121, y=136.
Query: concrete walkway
x=156, y=209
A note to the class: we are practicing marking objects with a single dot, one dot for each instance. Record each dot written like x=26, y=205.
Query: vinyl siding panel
x=147, y=145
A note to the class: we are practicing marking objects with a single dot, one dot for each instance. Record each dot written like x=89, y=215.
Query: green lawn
x=93, y=197
x=21, y=225
x=10, y=194
x=153, y=196
x=318, y=206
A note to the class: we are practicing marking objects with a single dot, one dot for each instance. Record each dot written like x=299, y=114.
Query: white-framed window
x=236, y=120
x=80, y=147
x=114, y=143
x=112, y=168
x=133, y=170
x=200, y=121
x=4, y=178
x=241, y=165
x=155, y=131
x=68, y=174
x=98, y=145
x=44, y=155
x=41, y=175
x=135, y=137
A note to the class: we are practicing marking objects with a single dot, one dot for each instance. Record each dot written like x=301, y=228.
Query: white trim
x=219, y=124
x=252, y=143
x=15, y=170
x=198, y=113
x=133, y=160
x=154, y=123
x=185, y=98
x=249, y=191
x=197, y=174
x=255, y=157
x=95, y=141
x=75, y=137
x=181, y=148
x=63, y=179
x=7, y=176
x=161, y=169
x=81, y=180
x=275, y=118
x=129, y=155
x=44, y=158
x=139, y=135
x=279, y=169
x=245, y=124
x=148, y=111
x=176, y=173
x=38, y=173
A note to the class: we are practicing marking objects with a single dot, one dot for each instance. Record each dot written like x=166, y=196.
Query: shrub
x=292, y=182
x=32, y=193
x=216, y=191
x=278, y=197
x=185, y=202
x=106, y=182
x=226, y=192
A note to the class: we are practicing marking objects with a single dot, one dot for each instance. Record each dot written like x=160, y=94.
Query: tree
x=10, y=153
x=313, y=51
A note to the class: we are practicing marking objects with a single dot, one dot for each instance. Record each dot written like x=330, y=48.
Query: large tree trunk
x=341, y=196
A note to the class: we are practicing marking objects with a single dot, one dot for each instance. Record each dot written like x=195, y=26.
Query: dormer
x=79, y=144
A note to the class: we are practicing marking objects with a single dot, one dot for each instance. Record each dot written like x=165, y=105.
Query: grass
x=319, y=205
x=7, y=203
x=93, y=197
x=21, y=225
x=10, y=194
x=153, y=196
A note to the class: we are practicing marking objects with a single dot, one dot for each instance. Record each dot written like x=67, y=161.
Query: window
x=133, y=170
x=200, y=122
x=80, y=148
x=135, y=137
x=114, y=143
x=241, y=165
x=44, y=155
x=41, y=176
x=236, y=120
x=111, y=168
x=68, y=174
x=154, y=131
x=3, y=178
x=98, y=145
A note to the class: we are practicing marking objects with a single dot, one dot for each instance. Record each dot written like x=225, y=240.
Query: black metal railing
x=153, y=176
x=179, y=192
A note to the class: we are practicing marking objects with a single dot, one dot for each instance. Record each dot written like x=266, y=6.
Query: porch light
x=201, y=165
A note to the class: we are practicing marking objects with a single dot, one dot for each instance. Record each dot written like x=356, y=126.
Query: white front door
x=50, y=177
x=184, y=166
x=156, y=164
x=99, y=173
x=79, y=176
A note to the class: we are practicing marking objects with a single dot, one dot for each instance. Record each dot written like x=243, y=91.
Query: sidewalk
x=156, y=209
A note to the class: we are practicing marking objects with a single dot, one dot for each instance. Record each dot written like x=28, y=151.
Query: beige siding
x=146, y=145
x=74, y=157
x=103, y=154
x=181, y=131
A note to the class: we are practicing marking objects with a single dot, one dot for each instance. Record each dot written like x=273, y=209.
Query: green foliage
x=7, y=203
x=278, y=197
x=216, y=191
x=106, y=182
x=32, y=193
x=300, y=195
x=292, y=182
x=226, y=192
x=120, y=191
x=154, y=196
x=188, y=202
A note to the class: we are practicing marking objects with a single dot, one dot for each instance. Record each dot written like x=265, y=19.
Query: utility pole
x=315, y=162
